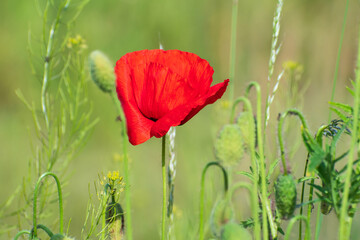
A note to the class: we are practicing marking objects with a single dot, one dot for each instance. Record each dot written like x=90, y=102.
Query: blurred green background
x=310, y=33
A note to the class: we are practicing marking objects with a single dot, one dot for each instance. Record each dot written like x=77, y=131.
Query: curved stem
x=43, y=227
x=128, y=231
x=266, y=209
x=21, y=233
x=254, y=202
x=202, y=193
x=280, y=124
x=291, y=224
x=36, y=191
x=163, y=167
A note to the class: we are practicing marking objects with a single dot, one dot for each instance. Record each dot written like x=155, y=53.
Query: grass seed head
x=285, y=195
x=229, y=145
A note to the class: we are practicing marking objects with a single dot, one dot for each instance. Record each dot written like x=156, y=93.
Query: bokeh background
x=310, y=34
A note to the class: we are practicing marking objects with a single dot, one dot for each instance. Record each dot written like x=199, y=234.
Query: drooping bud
x=114, y=212
x=221, y=214
x=59, y=236
x=229, y=145
x=102, y=71
x=285, y=195
x=234, y=231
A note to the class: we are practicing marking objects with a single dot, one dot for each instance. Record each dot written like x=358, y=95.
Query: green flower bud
x=114, y=212
x=285, y=195
x=102, y=71
x=229, y=145
x=221, y=214
x=57, y=236
x=234, y=231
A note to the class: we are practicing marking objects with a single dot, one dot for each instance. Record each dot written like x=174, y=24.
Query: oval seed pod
x=229, y=145
x=102, y=71
x=234, y=231
x=285, y=195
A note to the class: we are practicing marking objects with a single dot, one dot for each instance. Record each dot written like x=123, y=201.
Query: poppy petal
x=138, y=126
x=184, y=113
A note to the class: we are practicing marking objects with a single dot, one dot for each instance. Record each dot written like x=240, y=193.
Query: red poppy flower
x=159, y=89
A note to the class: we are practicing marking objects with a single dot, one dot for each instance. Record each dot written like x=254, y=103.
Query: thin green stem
x=319, y=219
x=280, y=124
x=345, y=219
x=36, y=192
x=266, y=209
x=21, y=233
x=291, y=224
x=318, y=137
x=47, y=59
x=234, y=17
x=163, y=166
x=43, y=227
x=202, y=194
x=254, y=201
x=128, y=225
x=336, y=73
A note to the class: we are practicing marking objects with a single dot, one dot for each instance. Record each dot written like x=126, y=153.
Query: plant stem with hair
x=163, y=167
x=128, y=225
x=202, y=194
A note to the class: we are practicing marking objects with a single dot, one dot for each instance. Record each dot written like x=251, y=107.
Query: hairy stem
x=202, y=194
x=36, y=192
x=163, y=166
x=254, y=190
x=128, y=231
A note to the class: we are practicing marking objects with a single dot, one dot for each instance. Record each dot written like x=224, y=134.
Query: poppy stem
x=164, y=187
x=126, y=167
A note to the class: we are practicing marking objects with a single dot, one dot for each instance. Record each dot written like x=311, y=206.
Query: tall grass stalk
x=235, y=6
x=274, y=51
x=171, y=175
x=345, y=219
x=336, y=72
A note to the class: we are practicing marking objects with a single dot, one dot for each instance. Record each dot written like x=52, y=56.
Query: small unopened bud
x=114, y=212
x=229, y=145
x=102, y=71
x=234, y=231
x=285, y=195
x=59, y=236
x=221, y=214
